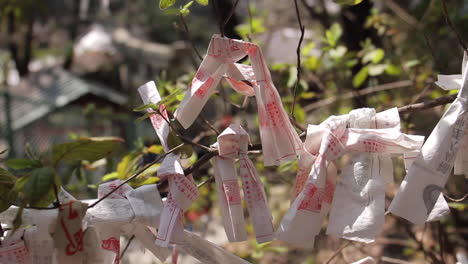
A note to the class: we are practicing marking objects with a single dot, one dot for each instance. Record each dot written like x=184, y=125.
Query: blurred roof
x=44, y=91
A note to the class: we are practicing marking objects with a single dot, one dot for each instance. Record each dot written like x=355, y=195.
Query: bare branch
x=452, y=27
x=337, y=252
x=138, y=173
x=189, y=36
x=365, y=91
x=298, y=54
x=425, y=105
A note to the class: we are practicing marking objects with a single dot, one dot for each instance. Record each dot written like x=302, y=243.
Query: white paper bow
x=280, y=142
x=232, y=144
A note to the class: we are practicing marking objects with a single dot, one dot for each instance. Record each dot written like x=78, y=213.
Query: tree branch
x=298, y=54
x=452, y=27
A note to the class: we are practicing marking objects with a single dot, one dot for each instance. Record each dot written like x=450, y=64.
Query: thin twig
x=298, y=54
x=189, y=36
x=452, y=27
x=365, y=91
x=210, y=179
x=337, y=252
x=126, y=246
x=134, y=176
x=226, y=20
x=425, y=105
x=209, y=124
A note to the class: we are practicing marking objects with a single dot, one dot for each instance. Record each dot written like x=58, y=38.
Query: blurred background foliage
x=378, y=54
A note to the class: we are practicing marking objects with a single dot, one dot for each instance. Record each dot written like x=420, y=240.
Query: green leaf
x=141, y=108
x=338, y=52
x=374, y=56
x=173, y=141
x=458, y=206
x=308, y=48
x=145, y=116
x=378, y=69
x=155, y=149
x=333, y=34
x=18, y=219
x=292, y=77
x=128, y=165
x=348, y=2
x=37, y=187
x=187, y=6
x=91, y=149
x=6, y=177
x=392, y=70
x=361, y=77
x=203, y=2
x=110, y=176
x=411, y=64
x=19, y=164
x=7, y=181
x=312, y=63
x=163, y=4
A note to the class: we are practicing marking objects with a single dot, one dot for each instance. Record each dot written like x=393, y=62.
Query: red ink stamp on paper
x=203, y=90
x=232, y=192
x=313, y=199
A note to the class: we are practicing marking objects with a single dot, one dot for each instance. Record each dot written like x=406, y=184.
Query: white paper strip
x=422, y=187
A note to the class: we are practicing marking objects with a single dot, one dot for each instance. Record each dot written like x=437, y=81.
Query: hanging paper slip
x=232, y=144
x=149, y=94
x=182, y=193
x=68, y=235
x=280, y=142
x=422, y=187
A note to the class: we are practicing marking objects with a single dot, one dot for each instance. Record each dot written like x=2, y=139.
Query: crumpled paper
x=358, y=207
x=280, y=142
x=315, y=186
x=233, y=144
x=419, y=197
x=182, y=193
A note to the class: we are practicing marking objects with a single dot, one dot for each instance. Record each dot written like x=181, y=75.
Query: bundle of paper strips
x=76, y=233
x=232, y=144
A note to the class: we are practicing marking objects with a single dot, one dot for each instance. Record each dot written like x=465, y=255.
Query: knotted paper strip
x=327, y=142
x=421, y=190
x=68, y=235
x=149, y=94
x=358, y=206
x=232, y=144
x=182, y=193
x=280, y=142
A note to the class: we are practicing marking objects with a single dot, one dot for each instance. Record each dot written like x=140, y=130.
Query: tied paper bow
x=232, y=144
x=324, y=144
x=280, y=142
x=182, y=190
x=182, y=193
x=357, y=211
x=420, y=195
